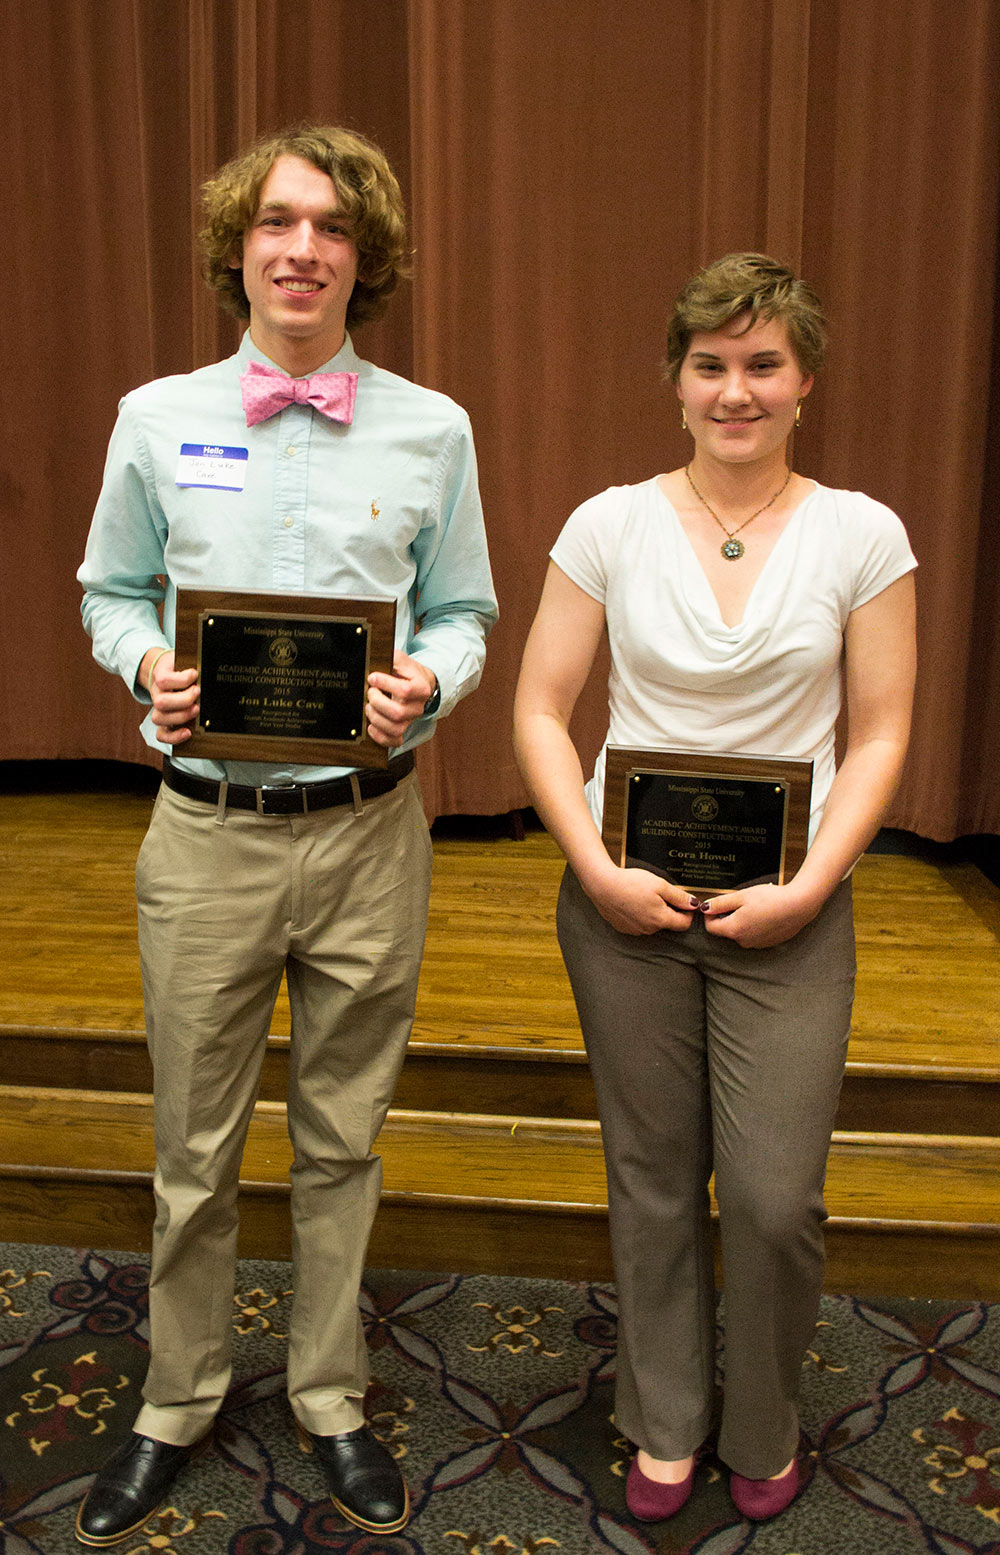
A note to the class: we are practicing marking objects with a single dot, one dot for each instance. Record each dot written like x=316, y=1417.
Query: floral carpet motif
x=496, y=1397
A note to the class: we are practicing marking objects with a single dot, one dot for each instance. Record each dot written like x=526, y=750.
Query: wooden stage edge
x=928, y=936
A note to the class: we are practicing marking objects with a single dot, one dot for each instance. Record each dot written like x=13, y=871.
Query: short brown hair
x=758, y=286
x=367, y=192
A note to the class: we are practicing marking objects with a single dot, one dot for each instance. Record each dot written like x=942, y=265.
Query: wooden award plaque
x=284, y=677
x=707, y=822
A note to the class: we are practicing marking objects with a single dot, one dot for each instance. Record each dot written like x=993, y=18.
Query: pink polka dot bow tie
x=266, y=390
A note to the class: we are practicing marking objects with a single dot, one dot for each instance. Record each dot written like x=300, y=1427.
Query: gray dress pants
x=708, y=1057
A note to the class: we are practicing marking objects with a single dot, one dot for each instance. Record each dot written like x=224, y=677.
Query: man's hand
x=760, y=916
x=395, y=700
x=176, y=696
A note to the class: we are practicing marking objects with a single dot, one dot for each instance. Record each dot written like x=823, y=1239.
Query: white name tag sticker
x=209, y=464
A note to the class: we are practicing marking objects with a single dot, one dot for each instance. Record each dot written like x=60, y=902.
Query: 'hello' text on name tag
x=209, y=464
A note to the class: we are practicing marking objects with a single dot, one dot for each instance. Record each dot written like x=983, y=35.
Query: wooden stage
x=492, y=1151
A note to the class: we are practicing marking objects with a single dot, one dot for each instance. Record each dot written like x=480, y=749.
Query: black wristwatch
x=433, y=701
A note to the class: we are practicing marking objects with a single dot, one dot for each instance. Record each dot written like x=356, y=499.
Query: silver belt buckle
x=272, y=788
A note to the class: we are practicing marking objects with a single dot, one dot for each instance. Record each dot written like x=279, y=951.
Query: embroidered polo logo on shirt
x=375, y=512
x=282, y=651
x=704, y=807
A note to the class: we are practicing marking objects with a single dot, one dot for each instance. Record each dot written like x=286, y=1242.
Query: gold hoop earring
x=684, y=419
x=798, y=413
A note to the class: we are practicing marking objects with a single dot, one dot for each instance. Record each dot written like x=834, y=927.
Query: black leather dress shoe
x=130, y=1488
x=364, y=1483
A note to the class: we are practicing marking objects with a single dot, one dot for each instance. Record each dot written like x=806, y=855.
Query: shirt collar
x=345, y=361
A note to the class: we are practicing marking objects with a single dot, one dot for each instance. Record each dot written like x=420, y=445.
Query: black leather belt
x=290, y=798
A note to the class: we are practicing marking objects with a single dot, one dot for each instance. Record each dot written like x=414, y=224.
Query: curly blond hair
x=367, y=193
x=758, y=286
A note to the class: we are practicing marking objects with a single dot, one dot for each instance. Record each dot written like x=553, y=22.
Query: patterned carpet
x=496, y=1397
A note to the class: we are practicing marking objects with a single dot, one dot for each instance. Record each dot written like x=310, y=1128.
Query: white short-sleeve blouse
x=683, y=680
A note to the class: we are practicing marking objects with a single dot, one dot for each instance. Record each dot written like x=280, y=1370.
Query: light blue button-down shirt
x=387, y=507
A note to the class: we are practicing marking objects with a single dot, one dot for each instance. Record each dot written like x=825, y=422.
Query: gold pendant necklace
x=731, y=548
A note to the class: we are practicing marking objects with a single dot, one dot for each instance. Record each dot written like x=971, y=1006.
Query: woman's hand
x=636, y=902
x=760, y=915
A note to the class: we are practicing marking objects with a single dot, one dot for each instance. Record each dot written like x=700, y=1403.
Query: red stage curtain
x=567, y=165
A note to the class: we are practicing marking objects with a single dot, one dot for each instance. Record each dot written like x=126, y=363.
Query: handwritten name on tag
x=210, y=464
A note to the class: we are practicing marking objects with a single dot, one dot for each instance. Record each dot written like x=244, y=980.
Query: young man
x=354, y=482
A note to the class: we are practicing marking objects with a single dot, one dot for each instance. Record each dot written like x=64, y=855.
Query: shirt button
x=291, y=449
x=288, y=522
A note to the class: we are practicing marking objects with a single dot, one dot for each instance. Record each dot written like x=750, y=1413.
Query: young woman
x=735, y=594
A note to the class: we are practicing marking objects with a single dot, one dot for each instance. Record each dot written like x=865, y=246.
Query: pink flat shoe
x=758, y=1499
x=650, y=1500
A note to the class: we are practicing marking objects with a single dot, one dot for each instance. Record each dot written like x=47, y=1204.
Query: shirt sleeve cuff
x=130, y=674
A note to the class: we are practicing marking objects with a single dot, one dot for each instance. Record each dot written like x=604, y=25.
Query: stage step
x=519, y=1081
x=473, y=1194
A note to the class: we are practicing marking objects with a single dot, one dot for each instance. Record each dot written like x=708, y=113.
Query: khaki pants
x=339, y=900
x=704, y=1056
